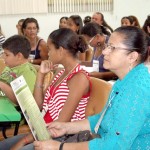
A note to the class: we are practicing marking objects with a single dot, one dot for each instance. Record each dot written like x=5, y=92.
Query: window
x=58, y=6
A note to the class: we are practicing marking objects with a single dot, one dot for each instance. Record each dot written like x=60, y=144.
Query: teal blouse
x=126, y=123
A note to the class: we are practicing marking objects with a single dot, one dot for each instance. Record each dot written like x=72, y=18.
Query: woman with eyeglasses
x=97, y=39
x=125, y=121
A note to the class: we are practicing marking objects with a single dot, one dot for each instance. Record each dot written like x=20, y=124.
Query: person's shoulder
x=80, y=76
x=41, y=41
x=142, y=80
x=28, y=67
x=42, y=44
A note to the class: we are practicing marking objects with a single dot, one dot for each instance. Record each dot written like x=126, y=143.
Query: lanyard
x=103, y=113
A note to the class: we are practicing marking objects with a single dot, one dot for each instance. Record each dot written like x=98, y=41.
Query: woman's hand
x=46, y=145
x=57, y=129
x=47, y=66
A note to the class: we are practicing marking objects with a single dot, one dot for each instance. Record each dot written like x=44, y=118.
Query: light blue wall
x=49, y=22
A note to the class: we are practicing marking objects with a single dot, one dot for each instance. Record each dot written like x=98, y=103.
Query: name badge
x=31, y=56
x=96, y=65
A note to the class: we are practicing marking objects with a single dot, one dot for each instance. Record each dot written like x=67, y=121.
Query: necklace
x=44, y=111
x=54, y=89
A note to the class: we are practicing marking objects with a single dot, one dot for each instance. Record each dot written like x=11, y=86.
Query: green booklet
x=30, y=109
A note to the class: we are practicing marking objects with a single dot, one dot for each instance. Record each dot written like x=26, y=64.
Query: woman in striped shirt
x=67, y=96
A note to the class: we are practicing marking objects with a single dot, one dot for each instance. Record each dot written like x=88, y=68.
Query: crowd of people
x=119, y=55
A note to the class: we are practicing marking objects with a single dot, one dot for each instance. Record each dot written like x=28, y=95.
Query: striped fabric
x=55, y=98
x=2, y=40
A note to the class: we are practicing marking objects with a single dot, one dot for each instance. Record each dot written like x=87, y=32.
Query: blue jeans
x=8, y=143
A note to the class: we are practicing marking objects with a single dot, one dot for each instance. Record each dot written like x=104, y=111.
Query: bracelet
x=61, y=146
x=38, y=86
x=26, y=140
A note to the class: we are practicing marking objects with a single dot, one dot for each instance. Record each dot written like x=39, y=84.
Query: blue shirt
x=101, y=59
x=126, y=123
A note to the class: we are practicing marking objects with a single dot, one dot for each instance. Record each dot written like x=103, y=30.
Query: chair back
x=2, y=65
x=47, y=80
x=98, y=96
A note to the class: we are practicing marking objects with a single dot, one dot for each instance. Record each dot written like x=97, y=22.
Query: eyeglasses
x=113, y=48
x=91, y=39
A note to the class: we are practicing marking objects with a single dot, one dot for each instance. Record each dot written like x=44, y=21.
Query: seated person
x=39, y=52
x=63, y=22
x=16, y=52
x=64, y=99
x=98, y=40
x=124, y=124
x=86, y=19
x=19, y=26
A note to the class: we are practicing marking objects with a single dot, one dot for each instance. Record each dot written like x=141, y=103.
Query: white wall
x=49, y=22
x=139, y=8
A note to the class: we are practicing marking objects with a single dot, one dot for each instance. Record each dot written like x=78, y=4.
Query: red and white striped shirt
x=56, y=97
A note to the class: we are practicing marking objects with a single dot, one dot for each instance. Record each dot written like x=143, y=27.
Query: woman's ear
x=133, y=57
x=61, y=50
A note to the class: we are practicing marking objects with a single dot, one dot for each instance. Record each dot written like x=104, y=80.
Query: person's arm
x=38, y=89
x=130, y=115
x=43, y=50
x=27, y=139
x=45, y=67
x=8, y=92
x=104, y=75
x=56, y=145
x=60, y=128
x=75, y=94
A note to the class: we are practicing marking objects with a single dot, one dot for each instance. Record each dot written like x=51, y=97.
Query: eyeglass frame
x=113, y=48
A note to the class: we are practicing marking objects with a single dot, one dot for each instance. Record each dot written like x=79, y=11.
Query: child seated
x=16, y=52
